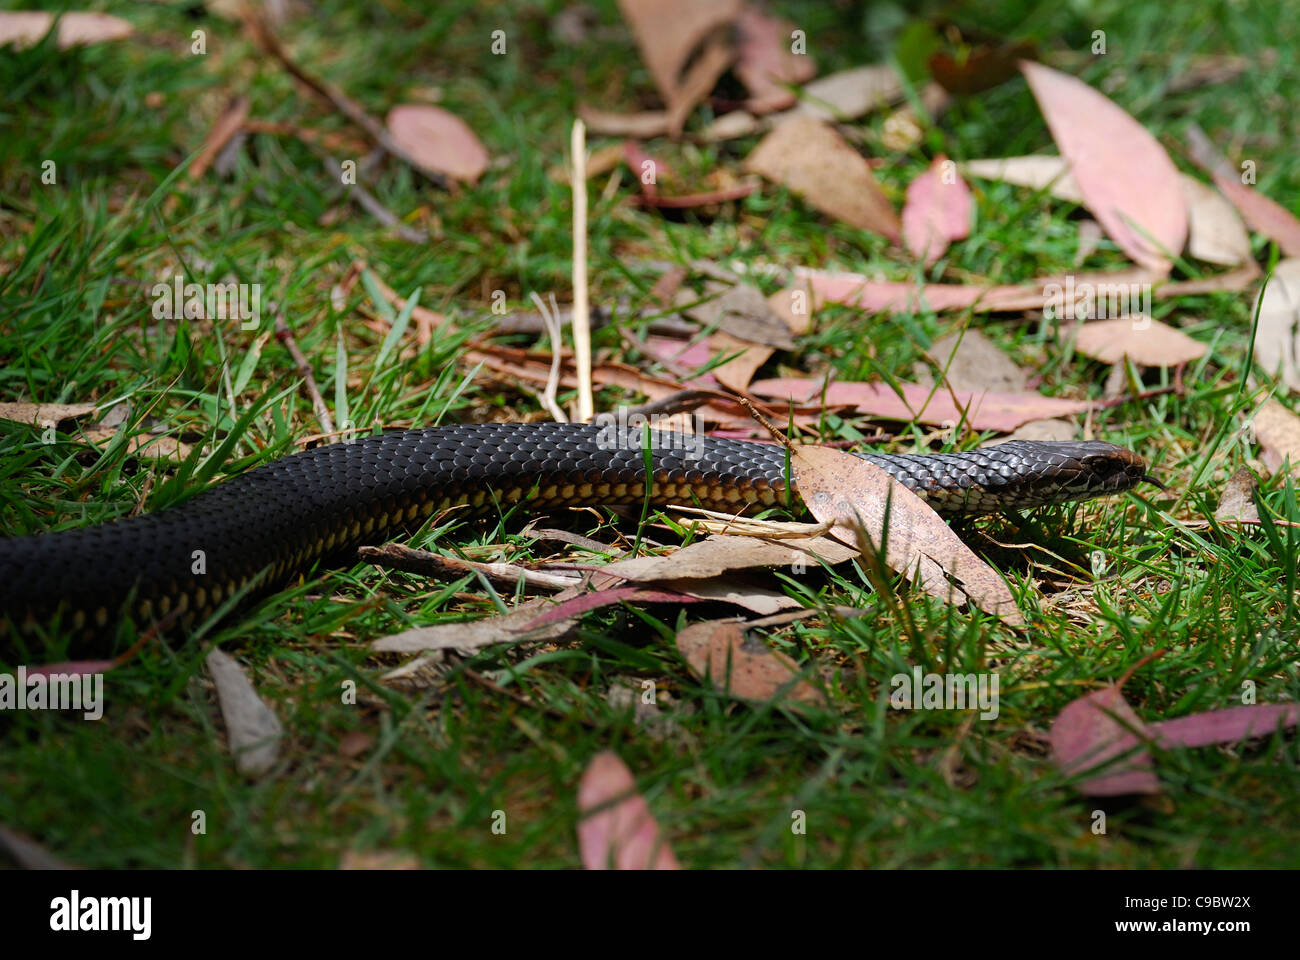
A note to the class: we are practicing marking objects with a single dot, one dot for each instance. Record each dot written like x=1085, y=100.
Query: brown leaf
x=853, y=495
x=645, y=125
x=438, y=140
x=617, y=829
x=1277, y=430
x=982, y=68
x=1126, y=178
x=716, y=555
x=1236, y=502
x=937, y=211
x=230, y=122
x=970, y=361
x=765, y=64
x=44, y=414
x=742, y=311
x=253, y=729
x=980, y=410
x=1096, y=729
x=1147, y=342
x=736, y=373
x=27, y=853
x=378, y=860
x=1277, y=342
x=718, y=651
x=24, y=28
x=817, y=163
x=475, y=634
x=851, y=93
x=794, y=306
x=735, y=591
x=667, y=32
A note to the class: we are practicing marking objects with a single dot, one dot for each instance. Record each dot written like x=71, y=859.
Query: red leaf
x=1226, y=726
x=1094, y=730
x=617, y=828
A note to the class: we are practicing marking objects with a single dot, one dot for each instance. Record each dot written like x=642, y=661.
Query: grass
x=441, y=753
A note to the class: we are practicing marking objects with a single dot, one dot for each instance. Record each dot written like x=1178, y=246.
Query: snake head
x=1095, y=468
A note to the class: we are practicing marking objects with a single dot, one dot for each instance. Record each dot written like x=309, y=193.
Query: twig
x=581, y=318
x=368, y=202
x=266, y=38
x=427, y=564
x=552, y=320
x=304, y=370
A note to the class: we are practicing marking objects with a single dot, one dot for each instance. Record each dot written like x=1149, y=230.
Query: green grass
x=880, y=788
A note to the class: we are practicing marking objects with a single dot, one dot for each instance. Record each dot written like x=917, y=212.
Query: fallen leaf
x=1226, y=726
x=1261, y=213
x=853, y=495
x=765, y=64
x=1127, y=180
x=1090, y=234
x=1039, y=430
x=25, y=28
x=794, y=307
x=979, y=410
x=475, y=634
x=27, y=853
x=1147, y=342
x=1096, y=729
x=667, y=32
x=718, y=651
x=817, y=163
x=617, y=829
x=378, y=860
x=1277, y=431
x=736, y=373
x=355, y=742
x=253, y=729
x=937, y=211
x=716, y=555
x=1037, y=172
x=44, y=414
x=438, y=140
x=981, y=68
x=731, y=126
x=1277, y=341
x=1215, y=233
x=1237, y=501
x=645, y=125
x=970, y=361
x=851, y=93
x=742, y=311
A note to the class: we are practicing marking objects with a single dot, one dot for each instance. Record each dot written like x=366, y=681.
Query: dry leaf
x=438, y=140
x=1147, y=342
x=1226, y=726
x=476, y=634
x=718, y=651
x=1277, y=431
x=716, y=555
x=736, y=373
x=937, y=211
x=1237, y=501
x=27, y=853
x=617, y=829
x=1126, y=178
x=818, y=164
x=851, y=93
x=755, y=597
x=970, y=361
x=980, y=410
x=1037, y=172
x=853, y=495
x=743, y=312
x=794, y=306
x=667, y=32
x=1090, y=234
x=378, y=860
x=1261, y=213
x=1095, y=730
x=44, y=414
x=253, y=729
x=765, y=63
x=645, y=125
x=1039, y=430
x=1215, y=233
x=25, y=28
x=1277, y=342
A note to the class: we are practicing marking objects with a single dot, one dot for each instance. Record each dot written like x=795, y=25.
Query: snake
x=249, y=535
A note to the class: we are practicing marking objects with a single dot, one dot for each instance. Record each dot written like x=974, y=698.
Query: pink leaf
x=981, y=411
x=937, y=211
x=617, y=828
x=604, y=598
x=1093, y=731
x=1226, y=726
x=1126, y=178
x=439, y=140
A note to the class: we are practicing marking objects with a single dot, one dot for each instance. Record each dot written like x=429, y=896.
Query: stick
x=581, y=315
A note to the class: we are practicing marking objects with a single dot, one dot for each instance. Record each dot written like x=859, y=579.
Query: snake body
x=276, y=521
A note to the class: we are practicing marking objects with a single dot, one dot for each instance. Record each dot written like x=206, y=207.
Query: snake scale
x=274, y=522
